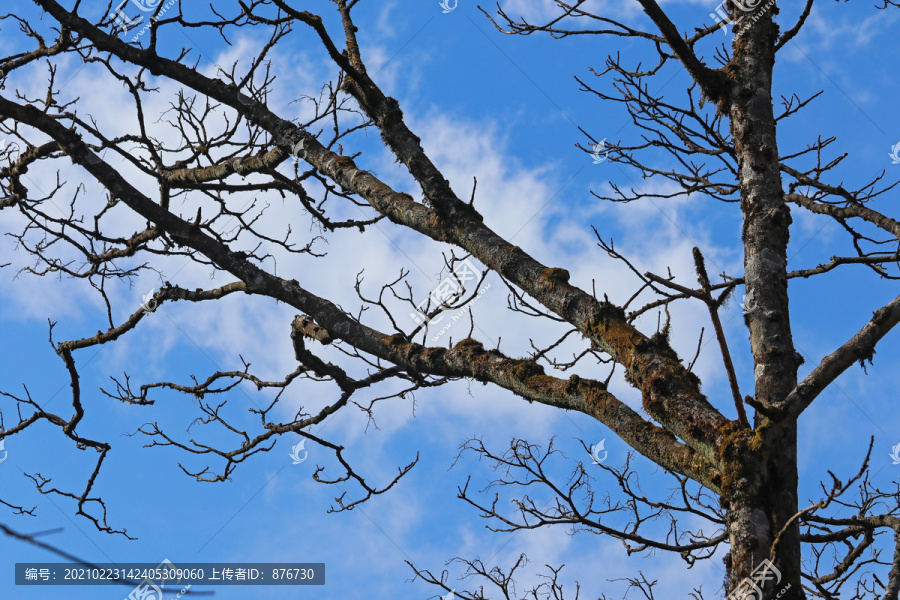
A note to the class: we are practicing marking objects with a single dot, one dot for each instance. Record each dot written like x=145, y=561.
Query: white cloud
x=514, y=201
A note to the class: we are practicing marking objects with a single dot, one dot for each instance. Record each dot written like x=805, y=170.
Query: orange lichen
x=526, y=369
x=553, y=277
x=431, y=354
x=468, y=343
x=396, y=340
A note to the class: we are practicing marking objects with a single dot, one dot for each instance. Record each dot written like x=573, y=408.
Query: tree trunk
x=762, y=492
x=760, y=498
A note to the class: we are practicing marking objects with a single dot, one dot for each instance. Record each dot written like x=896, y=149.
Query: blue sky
x=505, y=110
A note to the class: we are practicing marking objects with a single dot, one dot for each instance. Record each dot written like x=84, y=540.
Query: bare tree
x=735, y=471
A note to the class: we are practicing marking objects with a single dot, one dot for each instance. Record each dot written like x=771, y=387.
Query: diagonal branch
x=793, y=31
x=713, y=307
x=853, y=210
x=670, y=393
x=715, y=84
x=467, y=359
x=860, y=347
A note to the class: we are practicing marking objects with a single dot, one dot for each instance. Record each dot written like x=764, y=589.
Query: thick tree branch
x=467, y=359
x=715, y=84
x=859, y=348
x=671, y=394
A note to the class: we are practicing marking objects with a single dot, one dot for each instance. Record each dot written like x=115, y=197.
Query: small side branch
x=713, y=307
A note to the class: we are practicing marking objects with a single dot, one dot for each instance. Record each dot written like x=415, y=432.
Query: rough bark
x=762, y=496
